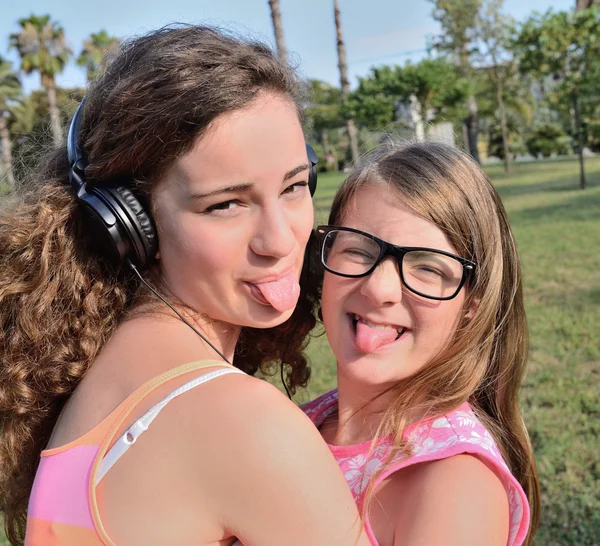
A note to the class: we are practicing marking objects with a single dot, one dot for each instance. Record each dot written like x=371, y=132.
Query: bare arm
x=274, y=480
x=457, y=501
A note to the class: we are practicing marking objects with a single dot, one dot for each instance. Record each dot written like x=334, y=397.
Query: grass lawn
x=557, y=227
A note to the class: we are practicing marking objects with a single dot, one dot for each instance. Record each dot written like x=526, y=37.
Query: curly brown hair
x=59, y=301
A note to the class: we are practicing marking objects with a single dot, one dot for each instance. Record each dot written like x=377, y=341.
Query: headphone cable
x=147, y=285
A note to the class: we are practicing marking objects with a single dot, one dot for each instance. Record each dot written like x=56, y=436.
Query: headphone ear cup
x=313, y=159
x=138, y=224
x=119, y=225
x=122, y=225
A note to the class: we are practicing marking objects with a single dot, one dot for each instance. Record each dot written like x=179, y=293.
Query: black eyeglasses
x=430, y=273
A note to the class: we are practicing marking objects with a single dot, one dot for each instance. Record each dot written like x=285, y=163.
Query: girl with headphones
x=186, y=177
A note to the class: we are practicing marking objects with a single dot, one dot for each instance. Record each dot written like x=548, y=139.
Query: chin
x=374, y=370
x=266, y=317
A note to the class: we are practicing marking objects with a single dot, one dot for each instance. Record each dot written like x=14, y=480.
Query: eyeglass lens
x=425, y=272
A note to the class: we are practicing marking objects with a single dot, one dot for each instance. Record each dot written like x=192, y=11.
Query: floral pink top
x=452, y=434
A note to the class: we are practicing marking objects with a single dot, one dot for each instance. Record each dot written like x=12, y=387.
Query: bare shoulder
x=461, y=494
x=238, y=407
x=265, y=456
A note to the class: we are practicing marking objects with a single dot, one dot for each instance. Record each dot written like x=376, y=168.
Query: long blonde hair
x=485, y=360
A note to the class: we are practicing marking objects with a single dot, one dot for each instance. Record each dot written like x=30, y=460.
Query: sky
x=376, y=32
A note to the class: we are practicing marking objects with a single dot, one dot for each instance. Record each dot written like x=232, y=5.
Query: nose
x=384, y=285
x=274, y=236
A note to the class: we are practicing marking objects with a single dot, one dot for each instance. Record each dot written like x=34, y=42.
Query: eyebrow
x=246, y=187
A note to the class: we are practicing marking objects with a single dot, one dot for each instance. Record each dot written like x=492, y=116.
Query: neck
x=361, y=410
x=194, y=332
x=217, y=337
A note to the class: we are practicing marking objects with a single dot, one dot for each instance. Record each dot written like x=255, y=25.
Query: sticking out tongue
x=368, y=339
x=282, y=294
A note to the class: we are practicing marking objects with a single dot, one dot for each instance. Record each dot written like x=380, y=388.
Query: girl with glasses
x=423, y=307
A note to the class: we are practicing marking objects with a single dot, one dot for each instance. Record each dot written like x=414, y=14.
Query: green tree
x=372, y=103
x=10, y=92
x=519, y=110
x=30, y=127
x=458, y=19
x=42, y=46
x=495, y=33
x=325, y=114
x=548, y=139
x=566, y=46
x=98, y=50
x=433, y=86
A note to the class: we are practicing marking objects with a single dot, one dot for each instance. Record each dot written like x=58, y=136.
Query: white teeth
x=357, y=318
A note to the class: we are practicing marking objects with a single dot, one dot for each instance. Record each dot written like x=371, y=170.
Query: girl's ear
x=472, y=309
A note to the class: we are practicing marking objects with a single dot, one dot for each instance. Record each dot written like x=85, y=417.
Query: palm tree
x=344, y=83
x=98, y=51
x=10, y=91
x=278, y=28
x=42, y=47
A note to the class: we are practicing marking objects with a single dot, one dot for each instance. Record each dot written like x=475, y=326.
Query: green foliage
x=458, y=19
x=41, y=45
x=516, y=143
x=324, y=108
x=98, y=51
x=29, y=125
x=562, y=44
x=374, y=104
x=433, y=82
x=547, y=140
x=518, y=107
x=10, y=86
x=566, y=47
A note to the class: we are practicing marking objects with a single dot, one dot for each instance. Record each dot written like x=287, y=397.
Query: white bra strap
x=141, y=425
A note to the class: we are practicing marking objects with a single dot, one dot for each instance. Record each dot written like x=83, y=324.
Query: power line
x=389, y=56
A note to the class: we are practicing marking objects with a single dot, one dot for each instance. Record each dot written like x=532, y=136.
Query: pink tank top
x=63, y=506
x=455, y=433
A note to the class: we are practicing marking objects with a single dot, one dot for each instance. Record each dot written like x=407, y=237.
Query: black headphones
x=116, y=219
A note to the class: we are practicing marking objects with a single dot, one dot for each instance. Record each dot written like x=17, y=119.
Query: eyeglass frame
x=397, y=252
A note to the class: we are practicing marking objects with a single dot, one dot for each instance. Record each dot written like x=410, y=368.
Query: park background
x=516, y=83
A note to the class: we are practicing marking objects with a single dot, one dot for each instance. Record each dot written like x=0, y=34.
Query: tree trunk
x=502, y=112
x=278, y=29
x=582, y=181
x=584, y=4
x=50, y=86
x=465, y=136
x=328, y=149
x=353, y=137
x=6, y=153
x=344, y=83
x=472, y=124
